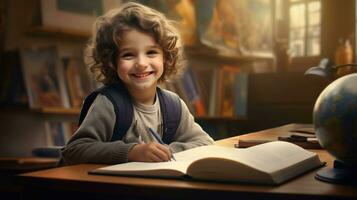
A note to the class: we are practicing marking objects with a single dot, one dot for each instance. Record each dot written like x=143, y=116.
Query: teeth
x=142, y=75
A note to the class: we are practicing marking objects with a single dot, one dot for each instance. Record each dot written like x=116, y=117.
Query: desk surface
x=75, y=180
x=15, y=165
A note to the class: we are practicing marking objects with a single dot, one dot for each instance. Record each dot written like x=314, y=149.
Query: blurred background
x=246, y=60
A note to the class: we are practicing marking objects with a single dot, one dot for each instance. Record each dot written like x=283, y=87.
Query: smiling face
x=139, y=62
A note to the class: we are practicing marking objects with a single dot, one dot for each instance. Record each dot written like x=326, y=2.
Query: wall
x=280, y=98
x=339, y=22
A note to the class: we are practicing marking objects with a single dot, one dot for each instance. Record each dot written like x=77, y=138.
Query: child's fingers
x=154, y=157
x=167, y=151
x=164, y=152
x=150, y=152
x=159, y=151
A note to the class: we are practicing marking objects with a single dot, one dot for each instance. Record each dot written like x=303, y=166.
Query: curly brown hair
x=102, y=49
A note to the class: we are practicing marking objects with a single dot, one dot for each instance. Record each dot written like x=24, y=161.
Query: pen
x=158, y=138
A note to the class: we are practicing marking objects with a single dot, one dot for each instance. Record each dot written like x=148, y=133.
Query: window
x=305, y=27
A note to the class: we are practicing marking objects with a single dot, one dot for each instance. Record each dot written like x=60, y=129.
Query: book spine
x=191, y=89
x=241, y=95
x=55, y=133
x=213, y=95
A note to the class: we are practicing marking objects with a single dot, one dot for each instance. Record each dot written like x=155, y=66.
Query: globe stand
x=341, y=173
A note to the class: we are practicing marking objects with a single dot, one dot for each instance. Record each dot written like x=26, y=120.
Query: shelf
x=63, y=111
x=210, y=53
x=57, y=32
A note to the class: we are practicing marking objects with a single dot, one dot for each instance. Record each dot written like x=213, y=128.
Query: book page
x=204, y=152
x=269, y=163
x=157, y=169
x=273, y=156
x=267, y=157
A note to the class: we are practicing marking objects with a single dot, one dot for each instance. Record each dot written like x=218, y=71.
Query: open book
x=268, y=163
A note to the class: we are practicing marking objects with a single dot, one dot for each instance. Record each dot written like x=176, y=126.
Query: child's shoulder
x=168, y=91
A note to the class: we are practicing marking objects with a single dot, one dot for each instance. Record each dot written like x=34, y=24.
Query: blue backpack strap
x=86, y=105
x=170, y=105
x=123, y=108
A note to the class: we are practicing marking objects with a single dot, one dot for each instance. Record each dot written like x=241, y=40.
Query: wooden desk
x=74, y=182
x=10, y=166
x=16, y=165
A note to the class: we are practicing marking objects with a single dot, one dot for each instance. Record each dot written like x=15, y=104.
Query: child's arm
x=189, y=134
x=91, y=142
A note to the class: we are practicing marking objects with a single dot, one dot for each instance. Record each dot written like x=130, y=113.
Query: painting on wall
x=78, y=80
x=74, y=16
x=44, y=78
x=235, y=27
x=182, y=12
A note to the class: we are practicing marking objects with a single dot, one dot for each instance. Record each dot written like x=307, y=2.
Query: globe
x=335, y=119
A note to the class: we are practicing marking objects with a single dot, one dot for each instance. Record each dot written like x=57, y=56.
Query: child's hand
x=149, y=152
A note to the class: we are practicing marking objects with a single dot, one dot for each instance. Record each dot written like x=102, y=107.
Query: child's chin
x=144, y=85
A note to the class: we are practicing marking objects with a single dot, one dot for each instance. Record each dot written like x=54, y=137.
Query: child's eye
x=152, y=52
x=127, y=55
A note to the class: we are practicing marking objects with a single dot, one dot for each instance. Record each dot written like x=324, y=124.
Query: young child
x=137, y=47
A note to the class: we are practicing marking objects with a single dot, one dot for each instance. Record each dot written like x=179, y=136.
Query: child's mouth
x=142, y=75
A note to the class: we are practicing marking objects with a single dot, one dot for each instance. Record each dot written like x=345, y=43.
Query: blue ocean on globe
x=335, y=118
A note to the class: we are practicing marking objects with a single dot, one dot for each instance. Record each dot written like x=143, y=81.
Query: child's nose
x=142, y=62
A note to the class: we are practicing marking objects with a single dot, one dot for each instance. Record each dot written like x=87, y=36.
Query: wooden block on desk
x=305, y=145
x=308, y=144
x=249, y=143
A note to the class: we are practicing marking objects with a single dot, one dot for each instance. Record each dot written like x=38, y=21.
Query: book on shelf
x=78, y=80
x=191, y=90
x=229, y=92
x=57, y=135
x=44, y=78
x=213, y=94
x=269, y=163
x=205, y=80
x=12, y=88
x=240, y=95
x=59, y=132
x=226, y=90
